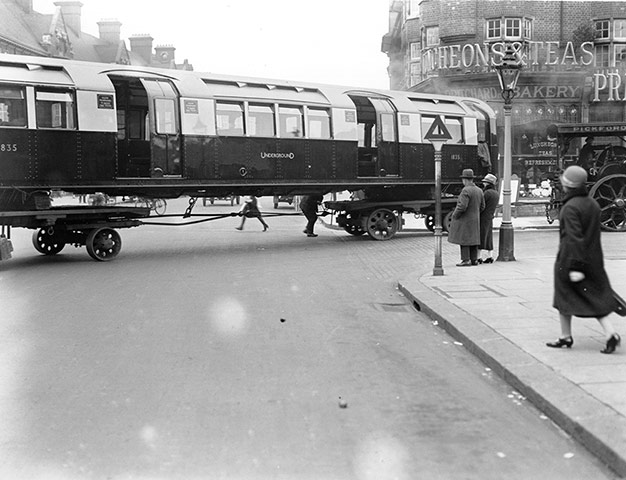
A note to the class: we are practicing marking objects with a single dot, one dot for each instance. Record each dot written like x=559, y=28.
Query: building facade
x=573, y=56
x=23, y=31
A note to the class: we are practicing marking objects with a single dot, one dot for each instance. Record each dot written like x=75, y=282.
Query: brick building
x=573, y=54
x=23, y=31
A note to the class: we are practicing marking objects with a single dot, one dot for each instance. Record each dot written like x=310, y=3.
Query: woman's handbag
x=620, y=305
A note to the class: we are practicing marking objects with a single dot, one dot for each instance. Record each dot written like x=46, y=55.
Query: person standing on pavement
x=581, y=285
x=465, y=227
x=308, y=205
x=486, y=218
x=251, y=209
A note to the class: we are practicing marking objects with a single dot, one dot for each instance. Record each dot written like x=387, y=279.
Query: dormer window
x=508, y=28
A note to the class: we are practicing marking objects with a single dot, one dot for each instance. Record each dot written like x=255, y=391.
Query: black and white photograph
x=312, y=240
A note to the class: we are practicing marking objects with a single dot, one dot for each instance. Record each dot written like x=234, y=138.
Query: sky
x=321, y=41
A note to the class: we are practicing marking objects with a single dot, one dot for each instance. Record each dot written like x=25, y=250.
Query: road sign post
x=438, y=135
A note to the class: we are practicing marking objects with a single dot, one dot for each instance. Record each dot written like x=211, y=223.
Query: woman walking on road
x=581, y=285
x=251, y=209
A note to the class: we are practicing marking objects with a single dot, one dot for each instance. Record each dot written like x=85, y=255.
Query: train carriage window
x=165, y=111
x=388, y=127
x=290, y=121
x=229, y=118
x=318, y=123
x=12, y=107
x=55, y=109
x=453, y=124
x=261, y=120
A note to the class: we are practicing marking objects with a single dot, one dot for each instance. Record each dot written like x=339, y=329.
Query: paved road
x=204, y=352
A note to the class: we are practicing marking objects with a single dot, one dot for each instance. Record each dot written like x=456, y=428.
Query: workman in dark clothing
x=308, y=205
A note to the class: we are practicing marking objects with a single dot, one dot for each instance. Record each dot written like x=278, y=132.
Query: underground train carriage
x=86, y=128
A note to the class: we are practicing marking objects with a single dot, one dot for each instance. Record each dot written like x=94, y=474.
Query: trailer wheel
x=48, y=241
x=103, y=244
x=382, y=224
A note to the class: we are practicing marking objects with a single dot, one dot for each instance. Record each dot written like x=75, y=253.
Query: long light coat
x=465, y=226
x=486, y=217
x=580, y=250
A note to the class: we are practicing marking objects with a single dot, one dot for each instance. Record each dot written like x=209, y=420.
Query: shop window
x=290, y=121
x=12, y=107
x=229, y=118
x=318, y=123
x=261, y=120
x=55, y=109
x=606, y=112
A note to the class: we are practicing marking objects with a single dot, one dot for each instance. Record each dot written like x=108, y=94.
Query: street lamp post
x=508, y=74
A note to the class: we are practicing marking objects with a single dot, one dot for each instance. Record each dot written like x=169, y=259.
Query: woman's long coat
x=580, y=250
x=465, y=226
x=486, y=217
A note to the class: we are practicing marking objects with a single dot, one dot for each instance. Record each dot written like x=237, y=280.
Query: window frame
x=327, y=126
x=235, y=132
x=504, y=28
x=20, y=98
x=68, y=118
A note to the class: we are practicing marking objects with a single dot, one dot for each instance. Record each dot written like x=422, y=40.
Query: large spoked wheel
x=103, y=244
x=48, y=241
x=382, y=224
x=610, y=193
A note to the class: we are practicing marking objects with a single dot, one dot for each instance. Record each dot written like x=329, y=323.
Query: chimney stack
x=110, y=30
x=71, y=11
x=165, y=54
x=142, y=46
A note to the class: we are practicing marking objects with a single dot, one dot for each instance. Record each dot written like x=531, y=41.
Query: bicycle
x=157, y=205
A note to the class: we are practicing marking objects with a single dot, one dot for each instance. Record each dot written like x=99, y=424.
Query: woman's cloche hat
x=490, y=178
x=468, y=173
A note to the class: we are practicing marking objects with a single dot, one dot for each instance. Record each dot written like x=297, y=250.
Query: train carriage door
x=378, y=153
x=164, y=127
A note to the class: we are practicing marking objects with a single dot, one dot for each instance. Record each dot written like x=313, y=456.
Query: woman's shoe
x=562, y=342
x=612, y=343
x=488, y=260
